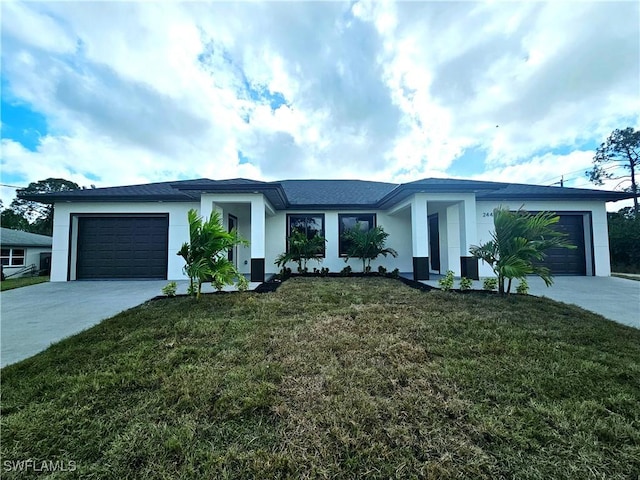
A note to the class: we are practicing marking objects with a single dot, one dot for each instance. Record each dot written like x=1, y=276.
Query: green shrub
x=490, y=284
x=395, y=273
x=382, y=270
x=346, y=271
x=523, y=287
x=170, y=289
x=446, y=283
x=465, y=284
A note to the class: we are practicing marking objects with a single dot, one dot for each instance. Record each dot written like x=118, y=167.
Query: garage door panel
x=122, y=247
x=564, y=261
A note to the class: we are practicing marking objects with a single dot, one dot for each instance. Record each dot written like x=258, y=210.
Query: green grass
x=12, y=283
x=334, y=378
x=627, y=276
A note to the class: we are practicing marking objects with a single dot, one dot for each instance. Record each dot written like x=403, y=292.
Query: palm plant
x=366, y=245
x=519, y=241
x=301, y=250
x=205, y=253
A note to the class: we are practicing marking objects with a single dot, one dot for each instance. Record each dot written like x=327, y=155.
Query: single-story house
x=135, y=231
x=24, y=253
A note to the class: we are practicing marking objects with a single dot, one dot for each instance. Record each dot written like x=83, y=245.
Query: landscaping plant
x=206, y=253
x=170, y=289
x=518, y=241
x=490, y=284
x=446, y=283
x=367, y=245
x=301, y=250
x=523, y=287
x=465, y=284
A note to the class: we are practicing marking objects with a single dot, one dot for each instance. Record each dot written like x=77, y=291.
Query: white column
x=419, y=226
x=468, y=225
x=257, y=227
x=452, y=247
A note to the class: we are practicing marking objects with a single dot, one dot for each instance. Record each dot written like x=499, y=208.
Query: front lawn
x=12, y=283
x=333, y=378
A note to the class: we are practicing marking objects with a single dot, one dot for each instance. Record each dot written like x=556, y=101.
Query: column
x=257, y=238
x=468, y=237
x=420, y=237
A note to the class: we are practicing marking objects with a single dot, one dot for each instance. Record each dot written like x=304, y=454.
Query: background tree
x=367, y=245
x=519, y=240
x=205, y=254
x=620, y=150
x=301, y=250
x=624, y=240
x=40, y=215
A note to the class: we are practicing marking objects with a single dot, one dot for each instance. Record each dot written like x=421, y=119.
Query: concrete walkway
x=614, y=298
x=34, y=317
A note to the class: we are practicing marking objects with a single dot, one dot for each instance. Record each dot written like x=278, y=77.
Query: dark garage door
x=122, y=247
x=563, y=261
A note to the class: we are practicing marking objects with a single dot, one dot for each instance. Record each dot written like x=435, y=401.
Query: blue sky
x=113, y=93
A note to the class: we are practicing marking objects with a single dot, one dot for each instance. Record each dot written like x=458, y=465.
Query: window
x=310, y=224
x=348, y=221
x=13, y=257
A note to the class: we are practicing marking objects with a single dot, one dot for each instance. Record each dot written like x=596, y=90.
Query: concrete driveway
x=36, y=316
x=614, y=298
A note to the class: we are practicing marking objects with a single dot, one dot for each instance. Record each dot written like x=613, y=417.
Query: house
x=24, y=253
x=135, y=231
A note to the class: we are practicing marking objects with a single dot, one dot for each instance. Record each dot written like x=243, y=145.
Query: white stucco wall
x=32, y=257
x=397, y=222
x=601, y=258
x=178, y=231
x=398, y=226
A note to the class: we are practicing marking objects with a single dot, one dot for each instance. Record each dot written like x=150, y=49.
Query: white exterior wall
x=31, y=257
x=601, y=258
x=178, y=231
x=398, y=227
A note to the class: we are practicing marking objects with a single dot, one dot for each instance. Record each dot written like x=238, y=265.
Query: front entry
x=232, y=254
x=434, y=242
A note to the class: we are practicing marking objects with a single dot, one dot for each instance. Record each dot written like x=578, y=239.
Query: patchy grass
x=12, y=283
x=334, y=378
x=628, y=276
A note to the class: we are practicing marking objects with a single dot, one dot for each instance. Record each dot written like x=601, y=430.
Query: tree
x=624, y=240
x=621, y=149
x=518, y=241
x=367, y=245
x=205, y=254
x=301, y=250
x=13, y=220
x=40, y=215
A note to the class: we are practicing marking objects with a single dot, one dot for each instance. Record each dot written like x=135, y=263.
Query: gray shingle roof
x=17, y=238
x=292, y=194
x=325, y=193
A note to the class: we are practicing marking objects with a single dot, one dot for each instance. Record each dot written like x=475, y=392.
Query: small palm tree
x=301, y=250
x=519, y=240
x=366, y=245
x=205, y=253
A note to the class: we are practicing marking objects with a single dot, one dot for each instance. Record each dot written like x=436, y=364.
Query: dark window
x=348, y=221
x=12, y=256
x=309, y=224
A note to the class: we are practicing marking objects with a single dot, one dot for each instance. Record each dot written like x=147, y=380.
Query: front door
x=434, y=242
x=233, y=223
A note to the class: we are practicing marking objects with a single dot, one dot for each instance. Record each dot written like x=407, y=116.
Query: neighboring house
x=135, y=231
x=24, y=253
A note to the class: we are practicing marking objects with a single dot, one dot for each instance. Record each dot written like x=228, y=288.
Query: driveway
x=34, y=317
x=614, y=298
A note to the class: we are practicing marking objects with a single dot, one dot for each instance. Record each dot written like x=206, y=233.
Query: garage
x=122, y=247
x=564, y=261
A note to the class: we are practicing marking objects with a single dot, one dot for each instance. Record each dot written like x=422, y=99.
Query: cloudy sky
x=115, y=93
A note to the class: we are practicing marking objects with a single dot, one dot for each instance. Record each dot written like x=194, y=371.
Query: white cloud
x=150, y=91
